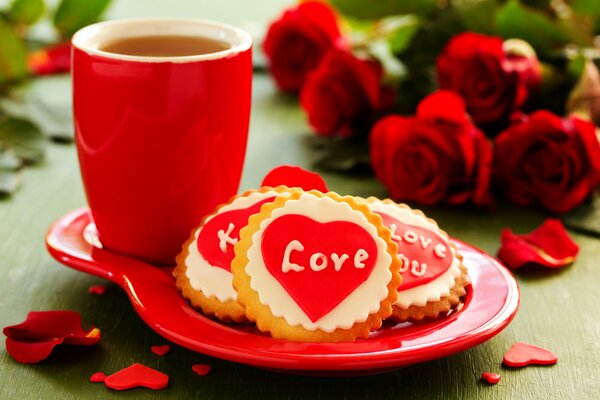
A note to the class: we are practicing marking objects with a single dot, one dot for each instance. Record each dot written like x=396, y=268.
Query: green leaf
x=382, y=8
x=477, y=16
x=514, y=20
x=72, y=15
x=403, y=35
x=590, y=7
x=13, y=55
x=24, y=138
x=26, y=11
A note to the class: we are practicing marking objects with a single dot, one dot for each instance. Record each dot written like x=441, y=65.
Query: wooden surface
x=558, y=308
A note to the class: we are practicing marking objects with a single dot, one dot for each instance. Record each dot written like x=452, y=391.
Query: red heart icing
x=98, y=377
x=422, y=248
x=317, y=292
x=491, y=377
x=137, y=375
x=160, y=350
x=201, y=369
x=209, y=238
x=523, y=354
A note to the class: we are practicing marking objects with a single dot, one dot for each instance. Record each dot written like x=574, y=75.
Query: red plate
x=491, y=303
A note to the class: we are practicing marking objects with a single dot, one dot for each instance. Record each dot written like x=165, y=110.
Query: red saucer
x=491, y=303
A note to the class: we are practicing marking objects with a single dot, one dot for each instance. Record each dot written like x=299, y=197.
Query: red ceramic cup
x=161, y=140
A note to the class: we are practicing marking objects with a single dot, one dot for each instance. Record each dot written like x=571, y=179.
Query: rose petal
x=523, y=354
x=33, y=340
x=444, y=105
x=491, y=377
x=160, y=350
x=201, y=369
x=137, y=375
x=98, y=377
x=293, y=176
x=549, y=246
x=97, y=289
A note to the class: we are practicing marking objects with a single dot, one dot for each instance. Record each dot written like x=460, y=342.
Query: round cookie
x=316, y=267
x=433, y=276
x=203, y=272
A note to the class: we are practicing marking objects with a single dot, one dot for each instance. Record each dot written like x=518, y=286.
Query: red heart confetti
x=97, y=289
x=317, y=289
x=34, y=339
x=160, y=350
x=98, y=377
x=523, y=354
x=137, y=375
x=491, y=377
x=293, y=176
x=549, y=246
x=201, y=369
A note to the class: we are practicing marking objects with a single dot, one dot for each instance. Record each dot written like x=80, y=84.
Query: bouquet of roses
x=455, y=99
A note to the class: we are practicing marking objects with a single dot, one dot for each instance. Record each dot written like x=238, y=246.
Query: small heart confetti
x=201, y=369
x=137, y=375
x=98, y=377
x=160, y=350
x=523, y=354
x=97, y=289
x=491, y=378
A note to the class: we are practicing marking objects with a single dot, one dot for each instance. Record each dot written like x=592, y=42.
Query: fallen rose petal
x=97, y=289
x=201, y=369
x=137, y=375
x=491, y=377
x=293, y=176
x=523, y=354
x=34, y=339
x=549, y=246
x=160, y=350
x=98, y=377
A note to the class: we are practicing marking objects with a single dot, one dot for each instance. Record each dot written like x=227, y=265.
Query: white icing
x=225, y=239
x=364, y=300
x=287, y=265
x=440, y=286
x=211, y=280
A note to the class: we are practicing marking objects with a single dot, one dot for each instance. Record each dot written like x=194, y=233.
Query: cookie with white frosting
x=433, y=275
x=316, y=267
x=203, y=272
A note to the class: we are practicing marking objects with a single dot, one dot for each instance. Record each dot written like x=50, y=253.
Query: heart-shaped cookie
x=318, y=264
x=523, y=354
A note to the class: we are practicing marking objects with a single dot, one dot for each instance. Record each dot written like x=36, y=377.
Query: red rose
x=344, y=91
x=548, y=160
x=437, y=156
x=492, y=81
x=296, y=42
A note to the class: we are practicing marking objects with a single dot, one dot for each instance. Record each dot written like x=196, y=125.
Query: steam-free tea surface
x=164, y=46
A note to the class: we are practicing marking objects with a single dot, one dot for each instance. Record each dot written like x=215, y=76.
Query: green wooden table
x=559, y=309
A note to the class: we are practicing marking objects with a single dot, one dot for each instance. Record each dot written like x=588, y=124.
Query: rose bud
x=493, y=77
x=548, y=160
x=342, y=93
x=437, y=156
x=296, y=42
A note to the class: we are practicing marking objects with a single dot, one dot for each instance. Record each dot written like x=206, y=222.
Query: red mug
x=161, y=140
